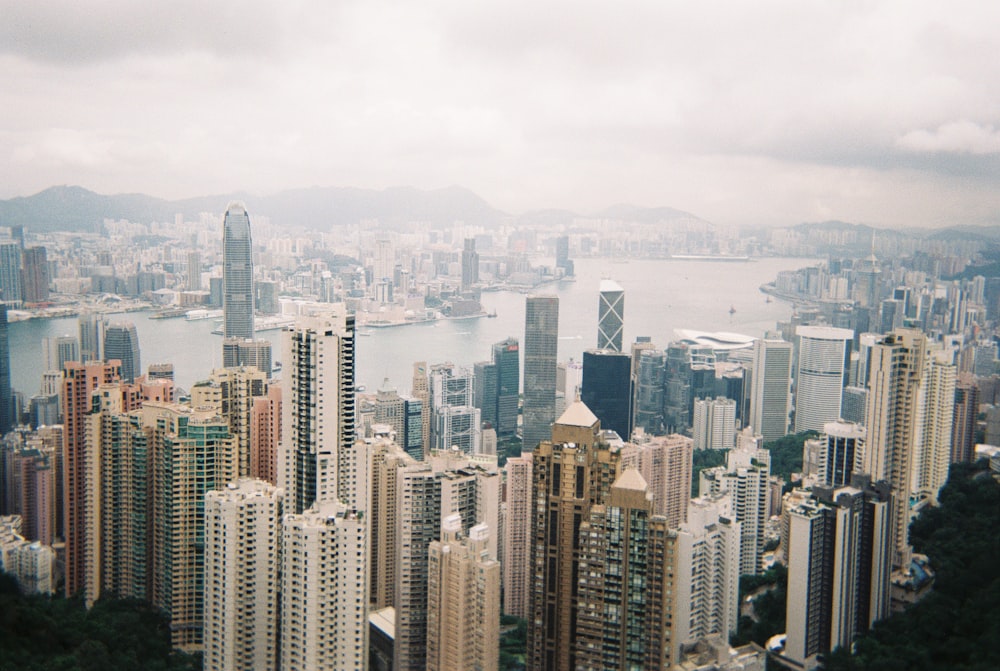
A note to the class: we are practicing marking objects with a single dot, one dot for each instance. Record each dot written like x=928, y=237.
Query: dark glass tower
x=237, y=275
x=541, y=341
x=507, y=359
x=607, y=389
x=122, y=342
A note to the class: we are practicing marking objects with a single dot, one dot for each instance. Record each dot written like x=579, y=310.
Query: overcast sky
x=763, y=112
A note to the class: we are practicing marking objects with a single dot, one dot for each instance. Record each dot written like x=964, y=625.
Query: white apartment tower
x=769, y=397
x=819, y=380
x=708, y=572
x=463, y=600
x=317, y=461
x=714, y=425
x=242, y=537
x=665, y=464
x=324, y=590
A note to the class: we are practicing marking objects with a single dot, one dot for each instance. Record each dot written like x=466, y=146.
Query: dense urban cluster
x=282, y=518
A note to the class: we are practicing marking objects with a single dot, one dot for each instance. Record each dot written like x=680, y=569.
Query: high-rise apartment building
x=541, y=341
x=426, y=494
x=232, y=393
x=193, y=454
x=384, y=461
x=463, y=599
x=318, y=406
x=516, y=564
x=769, y=397
x=78, y=385
x=117, y=460
x=963, y=428
x=193, y=271
x=665, y=464
x=243, y=522
x=607, y=389
x=324, y=582
x=237, y=275
x=626, y=593
x=839, y=548
x=121, y=342
x=610, y=316
x=714, y=425
x=421, y=390
x=238, y=352
x=6, y=396
x=841, y=447
x=933, y=451
x=707, y=576
x=265, y=435
x=819, y=380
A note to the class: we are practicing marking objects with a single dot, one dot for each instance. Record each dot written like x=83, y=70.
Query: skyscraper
x=237, y=275
x=463, y=599
x=10, y=273
x=241, y=352
x=194, y=271
x=819, y=382
x=232, y=392
x=610, y=316
x=317, y=431
x=842, y=445
x=470, y=264
x=665, y=464
x=714, y=426
x=769, y=398
x=541, y=343
x=91, y=326
x=607, y=389
x=242, y=570
x=516, y=564
x=121, y=342
x=507, y=359
x=963, y=438
x=36, y=275
x=649, y=391
x=6, y=398
x=78, y=384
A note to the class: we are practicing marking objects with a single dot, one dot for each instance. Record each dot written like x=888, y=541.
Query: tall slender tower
x=6, y=400
x=237, y=275
x=317, y=411
x=769, y=398
x=78, y=384
x=610, y=316
x=541, y=343
x=516, y=564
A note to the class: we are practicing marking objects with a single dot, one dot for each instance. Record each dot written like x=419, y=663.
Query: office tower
x=610, y=316
x=895, y=395
x=769, y=398
x=507, y=359
x=426, y=494
x=463, y=599
x=867, y=281
x=707, y=576
x=891, y=316
x=265, y=435
x=58, y=350
x=35, y=275
x=231, y=392
x=91, y=328
x=577, y=449
x=7, y=418
x=405, y=416
x=457, y=427
x=516, y=564
x=665, y=464
x=267, y=297
x=484, y=394
x=385, y=459
x=841, y=447
x=819, y=382
x=852, y=406
x=10, y=273
x=745, y=479
x=933, y=449
x=116, y=503
x=607, y=389
x=237, y=274
x=541, y=341
x=324, y=577
x=562, y=255
x=389, y=408
x=242, y=576
x=239, y=352
x=984, y=359
x=623, y=617
x=215, y=295
x=121, y=342
x=317, y=417
x=78, y=384
x=963, y=436
x=421, y=390
x=451, y=385
x=714, y=425
x=470, y=264
x=839, y=549
x=194, y=271
x=384, y=262
x=649, y=388
x=193, y=454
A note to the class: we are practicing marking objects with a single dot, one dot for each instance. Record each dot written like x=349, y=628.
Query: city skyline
x=882, y=112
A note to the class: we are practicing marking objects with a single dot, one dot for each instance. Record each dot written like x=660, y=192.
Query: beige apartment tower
x=516, y=564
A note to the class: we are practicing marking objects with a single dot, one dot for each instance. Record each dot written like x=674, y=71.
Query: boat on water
x=732, y=309
x=201, y=313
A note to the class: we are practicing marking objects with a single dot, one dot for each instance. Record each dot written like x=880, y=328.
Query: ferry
x=201, y=313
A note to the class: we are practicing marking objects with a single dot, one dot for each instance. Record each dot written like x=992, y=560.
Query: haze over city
x=765, y=113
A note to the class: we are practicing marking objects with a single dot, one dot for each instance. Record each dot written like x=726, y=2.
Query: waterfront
x=660, y=295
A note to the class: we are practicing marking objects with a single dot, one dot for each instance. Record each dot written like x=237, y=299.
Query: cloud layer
x=775, y=111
